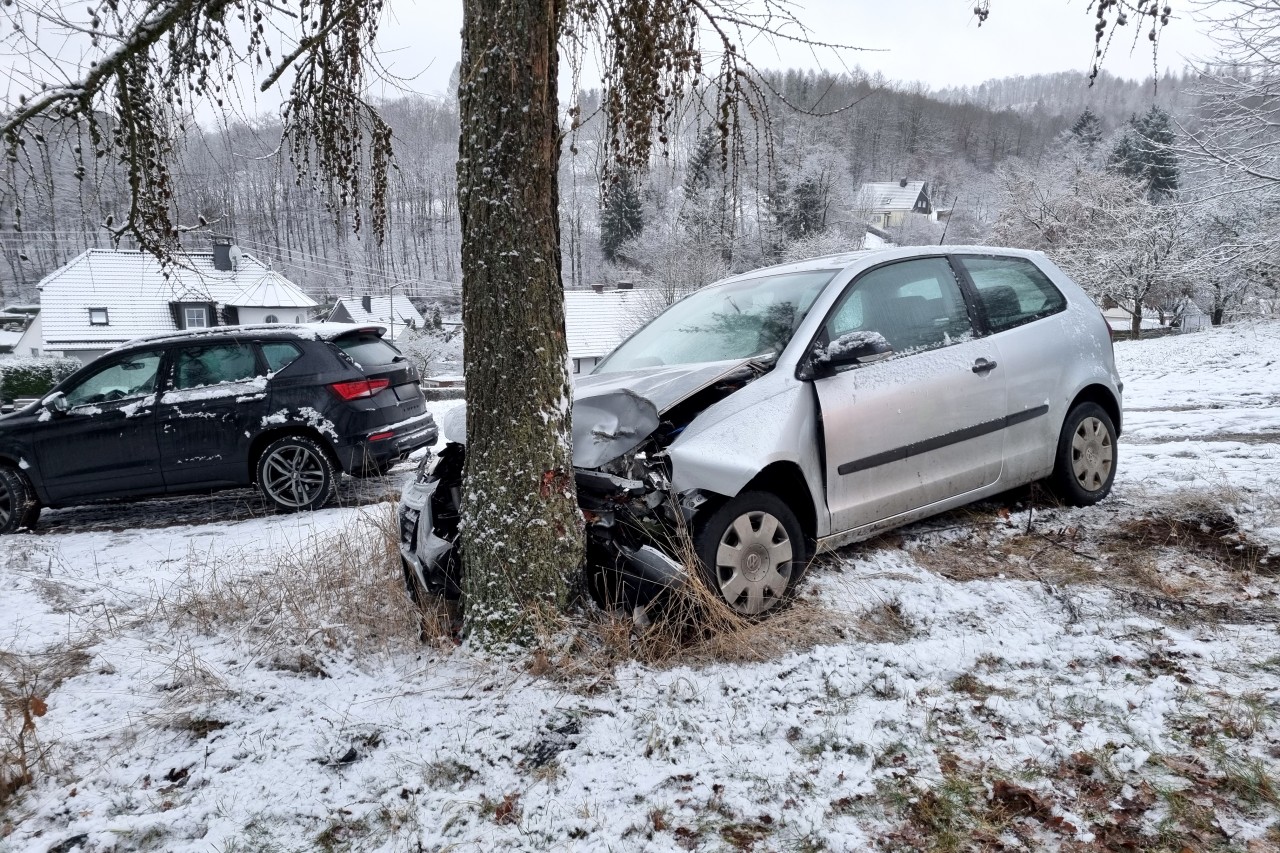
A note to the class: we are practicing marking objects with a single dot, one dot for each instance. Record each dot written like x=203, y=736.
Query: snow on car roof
x=314, y=331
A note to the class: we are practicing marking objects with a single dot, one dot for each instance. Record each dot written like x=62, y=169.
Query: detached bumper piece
x=624, y=568
x=429, y=526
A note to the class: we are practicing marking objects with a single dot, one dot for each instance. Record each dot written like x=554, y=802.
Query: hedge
x=31, y=376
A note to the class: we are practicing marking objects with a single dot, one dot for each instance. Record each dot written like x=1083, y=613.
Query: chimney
x=598, y=288
x=903, y=183
x=625, y=285
x=222, y=254
x=366, y=302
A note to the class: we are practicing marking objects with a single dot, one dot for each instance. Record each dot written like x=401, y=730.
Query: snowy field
x=197, y=675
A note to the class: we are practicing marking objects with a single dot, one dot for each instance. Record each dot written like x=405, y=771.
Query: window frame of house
x=105, y=317
x=271, y=318
x=200, y=311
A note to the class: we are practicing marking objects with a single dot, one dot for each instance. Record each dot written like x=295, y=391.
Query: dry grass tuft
x=688, y=623
x=341, y=591
x=26, y=680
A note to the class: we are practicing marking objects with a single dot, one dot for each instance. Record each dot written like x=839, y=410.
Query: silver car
x=802, y=407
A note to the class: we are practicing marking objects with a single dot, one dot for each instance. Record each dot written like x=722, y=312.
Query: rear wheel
x=1085, y=464
x=18, y=506
x=295, y=473
x=752, y=552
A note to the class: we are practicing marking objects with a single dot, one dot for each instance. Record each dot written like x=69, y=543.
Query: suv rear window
x=368, y=350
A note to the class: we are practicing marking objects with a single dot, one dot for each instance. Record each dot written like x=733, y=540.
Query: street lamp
x=391, y=307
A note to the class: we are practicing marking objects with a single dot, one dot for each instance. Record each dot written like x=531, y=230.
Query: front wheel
x=295, y=473
x=1085, y=464
x=18, y=506
x=752, y=552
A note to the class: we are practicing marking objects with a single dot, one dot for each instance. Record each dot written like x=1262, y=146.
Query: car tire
x=18, y=506
x=1085, y=463
x=752, y=552
x=295, y=473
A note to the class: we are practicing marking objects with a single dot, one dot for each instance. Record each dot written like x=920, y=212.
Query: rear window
x=1013, y=290
x=368, y=350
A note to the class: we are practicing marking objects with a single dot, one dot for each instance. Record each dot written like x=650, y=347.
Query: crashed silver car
x=802, y=407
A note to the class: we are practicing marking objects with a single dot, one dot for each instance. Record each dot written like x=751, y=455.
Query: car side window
x=279, y=355
x=915, y=305
x=123, y=378
x=211, y=365
x=1013, y=291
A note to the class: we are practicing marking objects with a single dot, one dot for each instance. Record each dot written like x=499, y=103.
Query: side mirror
x=848, y=350
x=55, y=403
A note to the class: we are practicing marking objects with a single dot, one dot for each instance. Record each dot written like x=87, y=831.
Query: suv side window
x=129, y=376
x=916, y=305
x=279, y=355
x=1013, y=291
x=213, y=364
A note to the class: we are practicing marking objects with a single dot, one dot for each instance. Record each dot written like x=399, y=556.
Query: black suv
x=285, y=407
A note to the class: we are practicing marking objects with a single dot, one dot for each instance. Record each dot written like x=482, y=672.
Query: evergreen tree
x=1087, y=131
x=621, y=215
x=1144, y=152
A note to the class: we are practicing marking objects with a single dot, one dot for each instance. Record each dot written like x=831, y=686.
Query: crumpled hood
x=614, y=412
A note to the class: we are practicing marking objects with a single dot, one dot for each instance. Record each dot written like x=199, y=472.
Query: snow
x=188, y=732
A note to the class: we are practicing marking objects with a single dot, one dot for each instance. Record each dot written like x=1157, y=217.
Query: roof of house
x=132, y=286
x=891, y=195
x=595, y=323
x=380, y=310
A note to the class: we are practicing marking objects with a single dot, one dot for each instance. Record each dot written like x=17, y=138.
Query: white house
x=887, y=204
x=105, y=297
x=395, y=312
x=597, y=320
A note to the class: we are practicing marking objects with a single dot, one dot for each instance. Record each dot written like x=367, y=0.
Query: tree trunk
x=1135, y=322
x=517, y=560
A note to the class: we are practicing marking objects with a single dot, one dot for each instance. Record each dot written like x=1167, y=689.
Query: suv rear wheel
x=295, y=473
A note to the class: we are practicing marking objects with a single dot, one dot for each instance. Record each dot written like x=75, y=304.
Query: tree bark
x=522, y=530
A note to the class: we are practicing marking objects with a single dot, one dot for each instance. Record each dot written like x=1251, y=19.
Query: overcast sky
x=937, y=42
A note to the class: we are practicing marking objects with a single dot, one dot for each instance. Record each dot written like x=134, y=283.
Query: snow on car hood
x=614, y=412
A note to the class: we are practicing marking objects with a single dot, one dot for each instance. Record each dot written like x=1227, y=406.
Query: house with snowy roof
x=395, y=312
x=887, y=204
x=105, y=297
x=596, y=320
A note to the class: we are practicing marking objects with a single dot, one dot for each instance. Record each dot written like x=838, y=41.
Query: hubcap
x=293, y=476
x=1092, y=454
x=753, y=563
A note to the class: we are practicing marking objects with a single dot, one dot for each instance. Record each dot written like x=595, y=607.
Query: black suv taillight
x=359, y=389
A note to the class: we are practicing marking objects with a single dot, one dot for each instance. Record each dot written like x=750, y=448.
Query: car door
x=104, y=443
x=921, y=423
x=211, y=407
x=1025, y=313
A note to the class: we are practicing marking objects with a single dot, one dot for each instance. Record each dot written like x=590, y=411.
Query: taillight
x=360, y=388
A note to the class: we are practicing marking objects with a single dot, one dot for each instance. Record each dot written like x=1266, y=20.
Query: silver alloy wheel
x=293, y=475
x=1092, y=454
x=753, y=562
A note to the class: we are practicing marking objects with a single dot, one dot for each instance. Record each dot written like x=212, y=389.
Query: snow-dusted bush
x=31, y=376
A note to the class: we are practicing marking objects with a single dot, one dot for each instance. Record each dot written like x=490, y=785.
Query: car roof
x=264, y=331
x=844, y=260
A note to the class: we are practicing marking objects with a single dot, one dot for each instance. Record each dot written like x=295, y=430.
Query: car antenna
x=949, y=215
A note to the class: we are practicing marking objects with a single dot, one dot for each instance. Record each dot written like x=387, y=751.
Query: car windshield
x=744, y=319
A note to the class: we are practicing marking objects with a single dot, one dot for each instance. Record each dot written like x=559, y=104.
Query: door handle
x=982, y=365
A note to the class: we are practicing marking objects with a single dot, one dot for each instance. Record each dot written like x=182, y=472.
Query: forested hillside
x=696, y=213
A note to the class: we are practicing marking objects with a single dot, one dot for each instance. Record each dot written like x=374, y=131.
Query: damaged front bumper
x=634, y=531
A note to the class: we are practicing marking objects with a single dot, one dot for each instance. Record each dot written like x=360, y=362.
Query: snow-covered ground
x=1010, y=676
